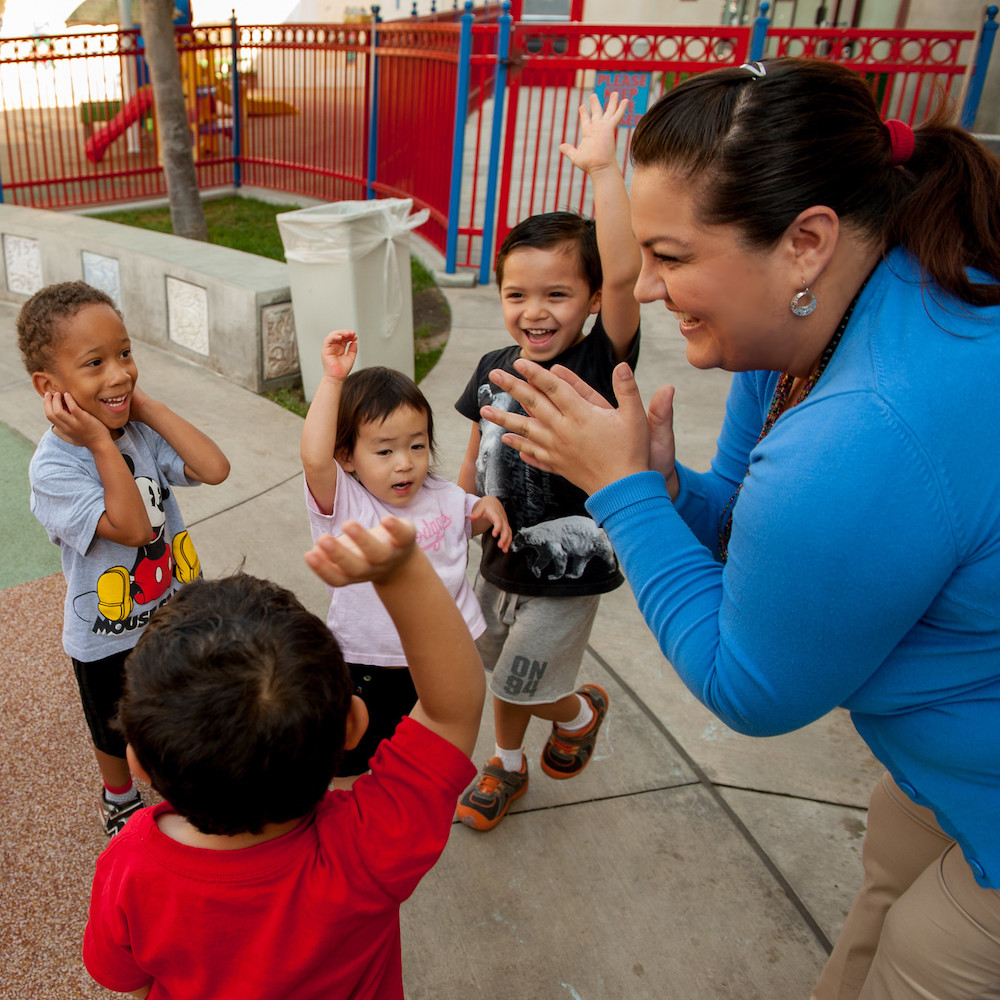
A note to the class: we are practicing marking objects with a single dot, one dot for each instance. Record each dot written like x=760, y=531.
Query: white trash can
x=349, y=268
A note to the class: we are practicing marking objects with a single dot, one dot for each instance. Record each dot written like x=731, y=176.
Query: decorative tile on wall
x=103, y=273
x=187, y=315
x=281, y=352
x=23, y=259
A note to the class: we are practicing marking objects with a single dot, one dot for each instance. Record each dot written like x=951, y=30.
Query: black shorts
x=388, y=694
x=102, y=683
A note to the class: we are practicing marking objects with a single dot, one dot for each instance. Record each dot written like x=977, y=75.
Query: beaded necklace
x=779, y=401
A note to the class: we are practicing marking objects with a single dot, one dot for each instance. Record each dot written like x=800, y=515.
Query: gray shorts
x=533, y=646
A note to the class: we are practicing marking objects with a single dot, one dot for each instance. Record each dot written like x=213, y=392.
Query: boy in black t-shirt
x=540, y=598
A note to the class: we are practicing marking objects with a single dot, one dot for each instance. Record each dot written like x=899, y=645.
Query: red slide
x=104, y=135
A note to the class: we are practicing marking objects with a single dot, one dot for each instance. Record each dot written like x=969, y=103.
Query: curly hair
x=40, y=321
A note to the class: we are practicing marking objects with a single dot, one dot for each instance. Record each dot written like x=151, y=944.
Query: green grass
x=420, y=277
x=239, y=223
x=249, y=225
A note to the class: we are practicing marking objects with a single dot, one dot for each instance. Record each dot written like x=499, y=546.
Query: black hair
x=369, y=396
x=557, y=230
x=40, y=321
x=235, y=703
x=761, y=149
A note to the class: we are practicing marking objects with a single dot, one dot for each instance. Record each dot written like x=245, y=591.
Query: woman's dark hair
x=369, y=396
x=236, y=700
x=556, y=230
x=760, y=149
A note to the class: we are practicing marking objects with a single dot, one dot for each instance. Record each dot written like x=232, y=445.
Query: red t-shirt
x=314, y=913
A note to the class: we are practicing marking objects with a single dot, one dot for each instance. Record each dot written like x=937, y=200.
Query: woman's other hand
x=572, y=430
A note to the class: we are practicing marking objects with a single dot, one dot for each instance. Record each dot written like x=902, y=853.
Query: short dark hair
x=761, y=149
x=236, y=700
x=557, y=230
x=369, y=396
x=39, y=323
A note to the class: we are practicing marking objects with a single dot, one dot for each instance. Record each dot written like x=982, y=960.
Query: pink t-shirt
x=440, y=511
x=312, y=914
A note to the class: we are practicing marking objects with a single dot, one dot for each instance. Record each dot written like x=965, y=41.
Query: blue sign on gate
x=631, y=87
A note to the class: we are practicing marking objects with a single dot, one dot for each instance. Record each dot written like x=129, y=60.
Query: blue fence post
x=493, y=172
x=458, y=139
x=759, y=35
x=373, y=106
x=981, y=64
x=234, y=75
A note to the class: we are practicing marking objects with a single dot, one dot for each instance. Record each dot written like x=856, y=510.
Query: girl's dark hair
x=370, y=395
x=40, y=321
x=557, y=230
x=759, y=150
x=236, y=700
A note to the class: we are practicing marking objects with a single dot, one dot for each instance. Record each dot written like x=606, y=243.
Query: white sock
x=510, y=760
x=581, y=721
x=120, y=798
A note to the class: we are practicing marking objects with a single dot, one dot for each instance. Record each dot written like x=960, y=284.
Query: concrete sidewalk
x=686, y=863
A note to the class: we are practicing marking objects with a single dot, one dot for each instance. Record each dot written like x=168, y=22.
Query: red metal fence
x=288, y=107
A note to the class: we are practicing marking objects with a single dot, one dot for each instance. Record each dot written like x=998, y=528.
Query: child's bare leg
x=114, y=770
x=511, y=721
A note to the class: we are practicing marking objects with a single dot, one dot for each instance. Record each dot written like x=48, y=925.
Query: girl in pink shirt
x=366, y=451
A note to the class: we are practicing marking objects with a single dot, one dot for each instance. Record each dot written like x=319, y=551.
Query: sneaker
x=486, y=800
x=565, y=755
x=114, y=815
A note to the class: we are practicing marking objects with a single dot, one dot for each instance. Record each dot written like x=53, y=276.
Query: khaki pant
x=920, y=928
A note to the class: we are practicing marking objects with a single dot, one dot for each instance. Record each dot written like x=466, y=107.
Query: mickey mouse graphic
x=156, y=563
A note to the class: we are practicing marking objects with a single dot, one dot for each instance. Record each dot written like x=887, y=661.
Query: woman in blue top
x=844, y=548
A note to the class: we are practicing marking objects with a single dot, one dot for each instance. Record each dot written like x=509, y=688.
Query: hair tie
x=901, y=141
x=755, y=69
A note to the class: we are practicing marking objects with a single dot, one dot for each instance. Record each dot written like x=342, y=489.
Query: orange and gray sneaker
x=565, y=755
x=486, y=800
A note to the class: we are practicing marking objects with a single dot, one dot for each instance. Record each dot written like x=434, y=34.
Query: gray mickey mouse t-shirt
x=111, y=589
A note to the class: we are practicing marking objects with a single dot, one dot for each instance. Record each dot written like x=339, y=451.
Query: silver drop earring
x=803, y=303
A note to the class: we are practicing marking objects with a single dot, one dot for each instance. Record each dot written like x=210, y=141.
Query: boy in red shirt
x=256, y=881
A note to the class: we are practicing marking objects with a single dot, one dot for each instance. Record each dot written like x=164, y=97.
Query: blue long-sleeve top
x=864, y=562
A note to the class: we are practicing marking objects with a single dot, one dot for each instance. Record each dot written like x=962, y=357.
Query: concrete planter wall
x=227, y=310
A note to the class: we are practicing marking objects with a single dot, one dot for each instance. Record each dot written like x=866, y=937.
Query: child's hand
x=362, y=554
x=489, y=511
x=598, y=126
x=74, y=422
x=339, y=352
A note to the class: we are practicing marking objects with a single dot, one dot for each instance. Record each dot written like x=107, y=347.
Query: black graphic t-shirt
x=558, y=550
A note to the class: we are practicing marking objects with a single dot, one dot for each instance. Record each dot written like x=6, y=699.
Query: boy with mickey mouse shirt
x=100, y=486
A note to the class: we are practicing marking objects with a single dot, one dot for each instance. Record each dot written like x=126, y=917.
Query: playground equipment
x=132, y=111
x=204, y=89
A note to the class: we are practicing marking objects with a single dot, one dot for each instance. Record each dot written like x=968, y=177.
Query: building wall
x=679, y=12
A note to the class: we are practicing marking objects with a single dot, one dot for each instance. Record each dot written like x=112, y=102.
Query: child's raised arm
x=446, y=669
x=319, y=435
x=203, y=458
x=620, y=257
